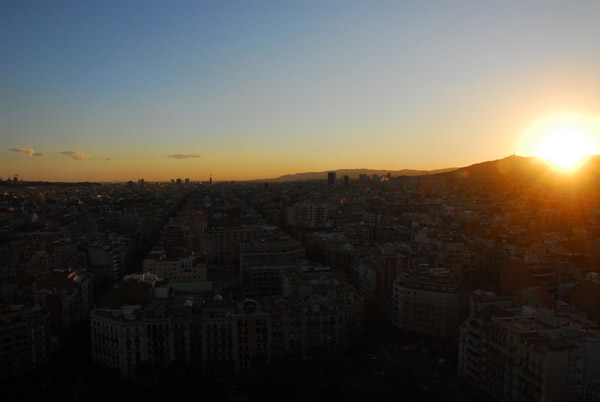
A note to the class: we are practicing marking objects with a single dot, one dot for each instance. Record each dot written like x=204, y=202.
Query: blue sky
x=261, y=89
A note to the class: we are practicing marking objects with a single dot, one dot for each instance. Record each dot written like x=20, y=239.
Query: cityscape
x=249, y=201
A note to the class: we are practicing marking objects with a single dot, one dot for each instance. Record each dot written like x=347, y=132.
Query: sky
x=122, y=90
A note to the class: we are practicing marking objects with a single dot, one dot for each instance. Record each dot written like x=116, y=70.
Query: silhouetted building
x=331, y=178
x=24, y=335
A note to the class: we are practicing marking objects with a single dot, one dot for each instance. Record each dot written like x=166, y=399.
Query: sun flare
x=564, y=140
x=566, y=149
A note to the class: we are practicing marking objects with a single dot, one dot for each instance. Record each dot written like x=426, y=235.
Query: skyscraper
x=331, y=178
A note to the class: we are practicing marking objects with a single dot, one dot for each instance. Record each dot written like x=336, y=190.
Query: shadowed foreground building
x=427, y=302
x=24, y=336
x=222, y=334
x=529, y=355
x=185, y=273
x=263, y=259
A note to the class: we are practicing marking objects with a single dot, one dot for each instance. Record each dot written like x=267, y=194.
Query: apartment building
x=426, y=301
x=529, y=355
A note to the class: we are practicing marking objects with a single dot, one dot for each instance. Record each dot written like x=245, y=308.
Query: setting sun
x=566, y=149
x=564, y=140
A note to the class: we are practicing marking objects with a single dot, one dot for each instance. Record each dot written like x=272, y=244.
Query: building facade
x=221, y=334
x=426, y=301
x=529, y=355
x=24, y=337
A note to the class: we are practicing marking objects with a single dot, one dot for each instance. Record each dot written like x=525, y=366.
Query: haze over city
x=116, y=91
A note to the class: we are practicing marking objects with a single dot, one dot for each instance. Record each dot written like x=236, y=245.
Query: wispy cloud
x=189, y=156
x=76, y=155
x=40, y=154
x=28, y=151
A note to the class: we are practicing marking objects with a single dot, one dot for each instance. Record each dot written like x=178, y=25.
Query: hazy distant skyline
x=109, y=91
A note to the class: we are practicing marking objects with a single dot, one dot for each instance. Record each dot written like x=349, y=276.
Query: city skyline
x=117, y=92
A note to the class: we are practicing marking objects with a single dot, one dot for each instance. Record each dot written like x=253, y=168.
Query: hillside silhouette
x=354, y=174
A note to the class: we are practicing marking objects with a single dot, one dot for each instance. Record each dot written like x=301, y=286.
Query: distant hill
x=514, y=167
x=527, y=169
x=520, y=166
x=354, y=174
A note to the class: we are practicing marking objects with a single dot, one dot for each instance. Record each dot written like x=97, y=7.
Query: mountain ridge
x=354, y=174
x=528, y=170
x=511, y=166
